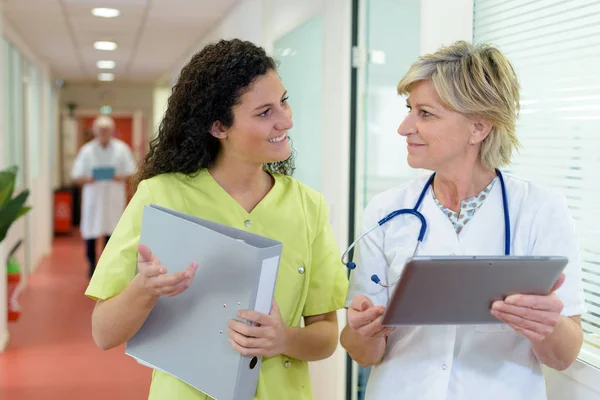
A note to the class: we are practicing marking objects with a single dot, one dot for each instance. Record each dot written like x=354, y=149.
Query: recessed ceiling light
x=106, y=77
x=105, y=64
x=106, y=12
x=105, y=45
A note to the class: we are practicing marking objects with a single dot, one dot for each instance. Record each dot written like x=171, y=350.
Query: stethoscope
x=415, y=211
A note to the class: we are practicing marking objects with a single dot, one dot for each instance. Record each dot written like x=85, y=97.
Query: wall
x=36, y=227
x=3, y=289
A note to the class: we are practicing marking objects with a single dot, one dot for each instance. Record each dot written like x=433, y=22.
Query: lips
x=278, y=139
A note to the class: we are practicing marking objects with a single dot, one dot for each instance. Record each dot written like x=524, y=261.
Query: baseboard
x=4, y=339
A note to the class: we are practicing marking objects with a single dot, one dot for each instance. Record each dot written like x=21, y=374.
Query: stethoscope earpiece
x=375, y=278
x=351, y=265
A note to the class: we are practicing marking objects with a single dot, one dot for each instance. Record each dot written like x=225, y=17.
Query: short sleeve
x=369, y=259
x=328, y=280
x=554, y=235
x=118, y=262
x=80, y=166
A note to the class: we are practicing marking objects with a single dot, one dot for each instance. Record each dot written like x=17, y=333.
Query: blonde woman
x=463, y=101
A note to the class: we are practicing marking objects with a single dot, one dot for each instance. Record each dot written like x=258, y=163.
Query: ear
x=218, y=130
x=480, y=129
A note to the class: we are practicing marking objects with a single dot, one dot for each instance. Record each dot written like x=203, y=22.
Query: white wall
x=36, y=227
x=3, y=289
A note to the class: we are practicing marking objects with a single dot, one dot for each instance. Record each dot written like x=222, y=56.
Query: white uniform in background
x=468, y=362
x=102, y=202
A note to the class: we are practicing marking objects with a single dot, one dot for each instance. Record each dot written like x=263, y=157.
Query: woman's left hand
x=267, y=339
x=535, y=317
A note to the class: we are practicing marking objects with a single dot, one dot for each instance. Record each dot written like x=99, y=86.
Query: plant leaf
x=24, y=210
x=10, y=211
x=8, y=177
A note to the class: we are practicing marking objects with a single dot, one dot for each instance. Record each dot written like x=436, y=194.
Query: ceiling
x=152, y=35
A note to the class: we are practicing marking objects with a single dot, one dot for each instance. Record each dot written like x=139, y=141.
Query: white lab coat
x=490, y=362
x=102, y=202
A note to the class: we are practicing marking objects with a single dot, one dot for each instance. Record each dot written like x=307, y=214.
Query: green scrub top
x=311, y=279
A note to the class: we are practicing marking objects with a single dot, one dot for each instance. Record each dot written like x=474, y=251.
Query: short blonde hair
x=474, y=80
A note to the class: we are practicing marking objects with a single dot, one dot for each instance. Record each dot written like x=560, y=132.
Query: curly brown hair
x=208, y=88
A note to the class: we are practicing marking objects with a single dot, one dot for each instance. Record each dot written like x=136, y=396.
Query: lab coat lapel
x=441, y=238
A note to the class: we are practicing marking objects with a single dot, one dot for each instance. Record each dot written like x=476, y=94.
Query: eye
x=265, y=113
x=284, y=100
x=409, y=108
x=425, y=113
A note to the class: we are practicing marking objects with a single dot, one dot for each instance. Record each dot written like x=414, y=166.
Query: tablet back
x=461, y=290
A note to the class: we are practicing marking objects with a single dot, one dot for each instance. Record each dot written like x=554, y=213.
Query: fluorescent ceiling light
x=105, y=45
x=106, y=77
x=106, y=12
x=105, y=64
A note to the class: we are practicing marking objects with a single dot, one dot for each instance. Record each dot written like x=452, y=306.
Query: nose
x=285, y=121
x=408, y=125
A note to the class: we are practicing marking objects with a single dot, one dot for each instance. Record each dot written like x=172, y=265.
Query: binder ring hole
x=253, y=362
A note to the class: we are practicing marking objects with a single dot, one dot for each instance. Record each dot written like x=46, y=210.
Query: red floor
x=51, y=354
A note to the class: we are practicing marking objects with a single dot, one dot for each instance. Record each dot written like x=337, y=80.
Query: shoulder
x=403, y=196
x=531, y=194
x=291, y=186
x=87, y=148
x=120, y=145
x=162, y=183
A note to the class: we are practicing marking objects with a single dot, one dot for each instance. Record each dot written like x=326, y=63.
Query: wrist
x=288, y=337
x=140, y=294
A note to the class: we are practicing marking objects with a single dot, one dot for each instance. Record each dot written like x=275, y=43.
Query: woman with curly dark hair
x=222, y=153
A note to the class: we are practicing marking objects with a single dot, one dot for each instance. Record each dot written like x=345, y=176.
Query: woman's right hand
x=153, y=279
x=365, y=318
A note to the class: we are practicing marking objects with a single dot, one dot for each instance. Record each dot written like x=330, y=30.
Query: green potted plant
x=11, y=209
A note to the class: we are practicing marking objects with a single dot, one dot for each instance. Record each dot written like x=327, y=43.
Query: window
x=554, y=46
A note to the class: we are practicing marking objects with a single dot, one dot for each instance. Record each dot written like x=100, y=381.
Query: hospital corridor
x=51, y=354
x=299, y=199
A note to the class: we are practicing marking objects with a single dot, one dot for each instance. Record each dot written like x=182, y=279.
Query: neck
x=453, y=187
x=240, y=178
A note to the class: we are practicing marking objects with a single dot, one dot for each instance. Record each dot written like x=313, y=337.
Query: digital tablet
x=461, y=290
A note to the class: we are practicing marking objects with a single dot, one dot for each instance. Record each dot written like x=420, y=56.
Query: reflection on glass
x=300, y=53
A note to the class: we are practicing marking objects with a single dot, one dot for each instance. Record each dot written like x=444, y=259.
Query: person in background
x=103, y=200
x=222, y=153
x=463, y=102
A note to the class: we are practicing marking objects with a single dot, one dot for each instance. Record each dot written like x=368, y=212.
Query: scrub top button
x=301, y=270
x=248, y=222
x=287, y=364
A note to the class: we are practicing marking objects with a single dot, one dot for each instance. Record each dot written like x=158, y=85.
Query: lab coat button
x=301, y=270
x=287, y=364
x=444, y=366
x=248, y=222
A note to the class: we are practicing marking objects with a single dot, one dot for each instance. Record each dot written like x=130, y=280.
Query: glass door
x=387, y=41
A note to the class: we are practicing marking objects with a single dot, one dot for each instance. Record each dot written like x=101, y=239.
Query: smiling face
x=436, y=136
x=261, y=121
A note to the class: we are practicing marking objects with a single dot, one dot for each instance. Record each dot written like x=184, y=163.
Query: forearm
x=365, y=351
x=561, y=348
x=116, y=320
x=314, y=342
